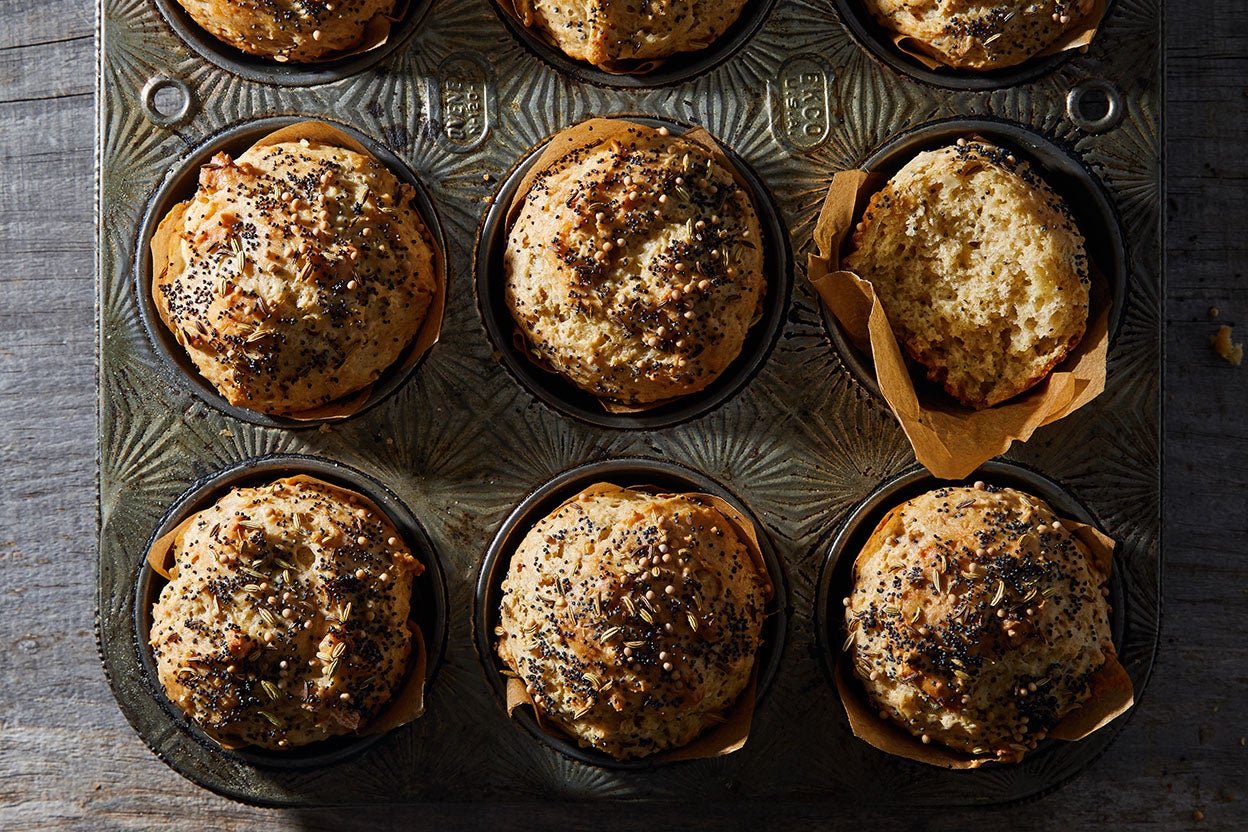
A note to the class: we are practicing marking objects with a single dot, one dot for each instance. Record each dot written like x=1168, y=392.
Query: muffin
x=296, y=275
x=973, y=34
x=286, y=619
x=632, y=619
x=606, y=32
x=299, y=31
x=979, y=267
x=977, y=620
x=634, y=267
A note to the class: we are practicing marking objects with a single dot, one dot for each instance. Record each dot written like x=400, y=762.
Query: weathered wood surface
x=68, y=760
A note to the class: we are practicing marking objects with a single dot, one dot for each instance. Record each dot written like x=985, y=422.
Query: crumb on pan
x=1223, y=346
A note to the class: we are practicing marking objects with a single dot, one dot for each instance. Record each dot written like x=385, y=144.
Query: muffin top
x=296, y=275
x=633, y=619
x=979, y=267
x=980, y=34
x=634, y=267
x=605, y=32
x=976, y=620
x=290, y=30
x=286, y=620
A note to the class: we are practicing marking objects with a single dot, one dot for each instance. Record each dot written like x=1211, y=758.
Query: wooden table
x=69, y=760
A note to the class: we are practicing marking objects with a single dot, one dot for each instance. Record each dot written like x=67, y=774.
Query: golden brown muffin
x=980, y=34
x=976, y=620
x=980, y=269
x=635, y=267
x=289, y=30
x=287, y=619
x=632, y=619
x=296, y=275
x=604, y=32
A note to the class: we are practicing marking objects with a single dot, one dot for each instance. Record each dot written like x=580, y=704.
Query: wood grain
x=71, y=762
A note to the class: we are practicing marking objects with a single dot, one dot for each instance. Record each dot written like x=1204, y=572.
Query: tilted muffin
x=289, y=30
x=296, y=275
x=604, y=32
x=980, y=269
x=976, y=620
x=286, y=621
x=632, y=619
x=635, y=267
x=980, y=34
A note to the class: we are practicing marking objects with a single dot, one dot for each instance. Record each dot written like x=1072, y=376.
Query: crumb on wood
x=1223, y=346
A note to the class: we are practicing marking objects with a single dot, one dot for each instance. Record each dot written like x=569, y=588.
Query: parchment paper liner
x=950, y=440
x=1111, y=691
x=1078, y=36
x=586, y=134
x=722, y=739
x=430, y=328
x=521, y=12
x=406, y=704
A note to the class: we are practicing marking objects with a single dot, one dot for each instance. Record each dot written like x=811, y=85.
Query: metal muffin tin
x=627, y=472
x=461, y=101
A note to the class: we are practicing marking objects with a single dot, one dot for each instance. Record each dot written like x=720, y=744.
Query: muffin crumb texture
x=632, y=619
x=980, y=268
x=287, y=619
x=605, y=32
x=298, y=31
x=980, y=35
x=976, y=620
x=634, y=267
x=296, y=275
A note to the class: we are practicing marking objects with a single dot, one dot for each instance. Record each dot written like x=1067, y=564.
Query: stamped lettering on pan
x=799, y=104
x=461, y=102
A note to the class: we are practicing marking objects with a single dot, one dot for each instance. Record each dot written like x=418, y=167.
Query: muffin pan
x=461, y=101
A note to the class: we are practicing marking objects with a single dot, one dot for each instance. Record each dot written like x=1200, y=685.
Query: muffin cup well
x=659, y=72
x=381, y=39
x=181, y=184
x=1112, y=690
x=429, y=606
x=624, y=472
x=897, y=53
x=565, y=397
x=948, y=438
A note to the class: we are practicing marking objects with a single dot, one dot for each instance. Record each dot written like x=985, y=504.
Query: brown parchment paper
x=732, y=733
x=1078, y=36
x=375, y=35
x=950, y=440
x=406, y=704
x=521, y=11
x=1111, y=693
x=166, y=253
x=588, y=133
